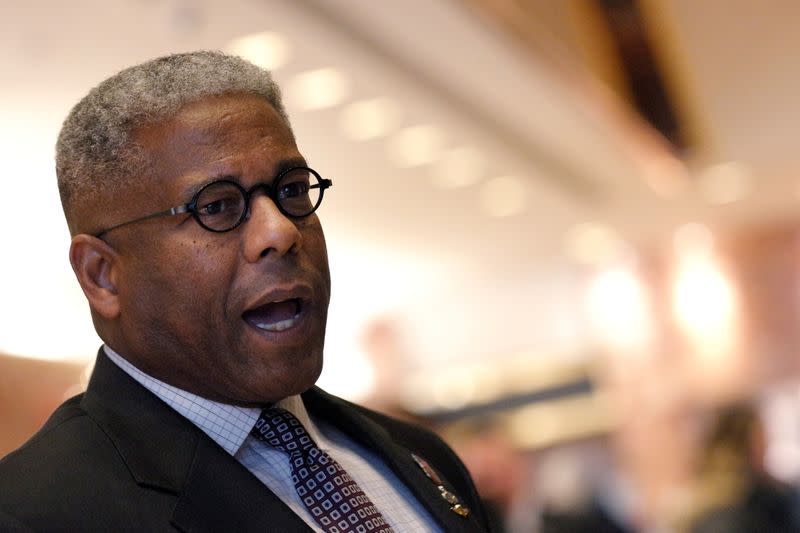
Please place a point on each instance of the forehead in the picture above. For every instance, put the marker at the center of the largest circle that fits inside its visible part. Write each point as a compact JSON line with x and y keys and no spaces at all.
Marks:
{"x":230,"y":135}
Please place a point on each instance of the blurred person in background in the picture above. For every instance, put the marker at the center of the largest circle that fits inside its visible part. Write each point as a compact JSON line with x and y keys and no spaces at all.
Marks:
{"x":734,"y":492}
{"x":501,"y":472}
{"x":580,"y":490}
{"x":197,"y":246}
{"x":383,"y":344}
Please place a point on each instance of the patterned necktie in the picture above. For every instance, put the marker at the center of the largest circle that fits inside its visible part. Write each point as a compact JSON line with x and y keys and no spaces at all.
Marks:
{"x":332,"y":497}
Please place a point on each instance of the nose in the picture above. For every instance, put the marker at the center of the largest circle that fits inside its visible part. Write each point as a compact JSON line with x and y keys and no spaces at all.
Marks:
{"x":268,"y":231}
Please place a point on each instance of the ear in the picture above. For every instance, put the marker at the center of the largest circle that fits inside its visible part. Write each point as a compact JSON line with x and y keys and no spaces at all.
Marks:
{"x":96,"y":265}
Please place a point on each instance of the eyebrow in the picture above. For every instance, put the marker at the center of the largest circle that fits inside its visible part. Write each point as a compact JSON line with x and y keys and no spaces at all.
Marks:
{"x":287,"y":164}
{"x":282,"y":166}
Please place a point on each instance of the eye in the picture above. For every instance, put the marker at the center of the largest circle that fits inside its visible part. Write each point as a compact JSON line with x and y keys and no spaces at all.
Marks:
{"x":220,"y":205}
{"x":293,"y":189}
{"x":216,"y":207}
{"x":298,"y":192}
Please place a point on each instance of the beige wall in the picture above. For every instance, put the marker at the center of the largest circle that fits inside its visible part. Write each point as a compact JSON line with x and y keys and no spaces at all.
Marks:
{"x":29,"y":391}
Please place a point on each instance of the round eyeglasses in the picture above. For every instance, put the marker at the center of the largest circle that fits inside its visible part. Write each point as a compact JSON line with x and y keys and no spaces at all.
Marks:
{"x":224,"y":204}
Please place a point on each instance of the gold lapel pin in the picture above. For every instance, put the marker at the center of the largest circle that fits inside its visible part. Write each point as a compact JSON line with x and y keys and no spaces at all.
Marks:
{"x":448,"y":496}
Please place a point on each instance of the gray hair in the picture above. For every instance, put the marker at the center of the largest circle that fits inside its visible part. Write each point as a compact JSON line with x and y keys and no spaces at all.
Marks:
{"x":96,"y":153}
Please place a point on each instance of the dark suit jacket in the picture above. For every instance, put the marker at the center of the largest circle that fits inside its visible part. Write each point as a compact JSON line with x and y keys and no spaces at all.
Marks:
{"x":119,"y":459}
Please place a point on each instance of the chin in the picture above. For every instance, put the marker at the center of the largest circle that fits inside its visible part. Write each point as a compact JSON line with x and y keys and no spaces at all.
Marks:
{"x":275,"y":385}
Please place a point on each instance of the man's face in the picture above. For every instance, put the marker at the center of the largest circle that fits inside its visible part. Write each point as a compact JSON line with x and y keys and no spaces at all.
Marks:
{"x":237,"y":316}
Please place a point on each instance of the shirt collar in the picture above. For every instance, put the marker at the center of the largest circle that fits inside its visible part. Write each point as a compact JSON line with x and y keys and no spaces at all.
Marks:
{"x":227,"y":425}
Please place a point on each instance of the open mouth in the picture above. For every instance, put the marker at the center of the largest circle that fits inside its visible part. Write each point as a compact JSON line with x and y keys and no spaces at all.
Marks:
{"x":275,"y":316}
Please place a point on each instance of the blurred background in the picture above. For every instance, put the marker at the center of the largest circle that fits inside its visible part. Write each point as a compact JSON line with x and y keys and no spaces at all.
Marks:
{"x":563,"y":234}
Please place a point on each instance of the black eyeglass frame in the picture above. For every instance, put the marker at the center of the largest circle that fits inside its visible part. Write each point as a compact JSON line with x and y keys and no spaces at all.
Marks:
{"x":272,"y":192}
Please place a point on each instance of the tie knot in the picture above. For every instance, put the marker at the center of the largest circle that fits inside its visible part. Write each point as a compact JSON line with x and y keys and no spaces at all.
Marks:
{"x":282,"y":430}
{"x":333,"y":499}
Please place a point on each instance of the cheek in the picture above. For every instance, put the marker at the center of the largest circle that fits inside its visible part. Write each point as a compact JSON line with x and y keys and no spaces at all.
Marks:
{"x":205,"y":272}
{"x":317,"y":251}
{"x":201,"y":261}
{"x":185,"y":283}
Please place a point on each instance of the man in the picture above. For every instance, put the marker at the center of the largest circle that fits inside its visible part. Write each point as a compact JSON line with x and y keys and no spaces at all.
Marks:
{"x":195,"y":241}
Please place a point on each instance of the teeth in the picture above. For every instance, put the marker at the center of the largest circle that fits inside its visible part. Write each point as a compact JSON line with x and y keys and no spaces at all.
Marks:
{"x":278,"y":326}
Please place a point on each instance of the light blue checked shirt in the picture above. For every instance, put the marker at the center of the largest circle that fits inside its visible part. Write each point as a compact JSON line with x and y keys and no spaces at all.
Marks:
{"x":230,"y":425}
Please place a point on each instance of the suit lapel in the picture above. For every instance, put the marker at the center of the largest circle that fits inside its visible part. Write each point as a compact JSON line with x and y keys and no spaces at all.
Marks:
{"x":425,"y":490}
{"x":164,"y":451}
{"x":397,"y":457}
{"x":222,"y":495}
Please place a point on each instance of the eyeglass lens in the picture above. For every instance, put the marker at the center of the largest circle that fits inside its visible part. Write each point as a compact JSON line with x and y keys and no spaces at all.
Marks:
{"x":298,"y":192}
{"x":222,"y":205}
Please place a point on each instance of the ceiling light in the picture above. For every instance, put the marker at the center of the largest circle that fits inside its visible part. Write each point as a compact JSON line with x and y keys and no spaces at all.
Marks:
{"x":619,"y":309}
{"x":503,"y":196}
{"x":725,"y":183}
{"x":416,"y":146}
{"x":369,"y":119}
{"x":267,"y":49}
{"x":318,"y":89}
{"x":459,"y":167}
{"x":704,"y":302}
